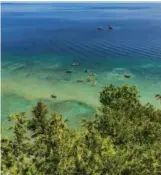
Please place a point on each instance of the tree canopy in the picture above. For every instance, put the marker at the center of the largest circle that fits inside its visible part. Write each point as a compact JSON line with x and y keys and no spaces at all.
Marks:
{"x":124,"y":139}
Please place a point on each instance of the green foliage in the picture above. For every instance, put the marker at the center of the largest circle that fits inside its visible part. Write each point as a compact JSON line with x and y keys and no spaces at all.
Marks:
{"x":124,"y":118}
{"x":125,"y":97}
{"x":38,"y":122}
{"x":125,"y":139}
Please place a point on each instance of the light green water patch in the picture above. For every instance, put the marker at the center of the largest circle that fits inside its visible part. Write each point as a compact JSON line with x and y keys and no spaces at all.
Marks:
{"x":24,"y":83}
{"x":74,"y":111}
{"x":13,"y":103}
{"x":46,"y":79}
{"x":148,"y":84}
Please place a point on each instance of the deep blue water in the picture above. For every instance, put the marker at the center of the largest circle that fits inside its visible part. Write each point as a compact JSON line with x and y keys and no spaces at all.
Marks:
{"x":36,"y":36}
{"x":31,"y":29}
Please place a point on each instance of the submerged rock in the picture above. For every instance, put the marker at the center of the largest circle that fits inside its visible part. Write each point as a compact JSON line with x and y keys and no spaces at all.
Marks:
{"x":93,"y":74}
{"x":66,"y":120}
{"x":80,"y":80}
{"x":69,"y":71}
{"x":94,"y":83}
{"x":53,"y":96}
{"x":158,"y":96}
{"x":28,"y":75}
{"x":89,"y":79}
{"x":127,"y":76}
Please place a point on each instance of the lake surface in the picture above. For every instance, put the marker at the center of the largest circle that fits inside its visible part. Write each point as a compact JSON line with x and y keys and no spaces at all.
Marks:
{"x":40,"y":41}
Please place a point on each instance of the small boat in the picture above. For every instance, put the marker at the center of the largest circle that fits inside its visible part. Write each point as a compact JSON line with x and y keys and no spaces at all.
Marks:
{"x":100,"y":28}
{"x":110,"y":27}
{"x":127,"y":76}
{"x":75,"y":64}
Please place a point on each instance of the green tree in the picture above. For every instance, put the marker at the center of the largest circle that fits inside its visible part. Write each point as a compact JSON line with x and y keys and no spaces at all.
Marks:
{"x":125,"y":139}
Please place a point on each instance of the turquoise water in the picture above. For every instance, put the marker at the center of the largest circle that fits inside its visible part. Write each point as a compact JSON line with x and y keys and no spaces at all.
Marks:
{"x":41,"y":41}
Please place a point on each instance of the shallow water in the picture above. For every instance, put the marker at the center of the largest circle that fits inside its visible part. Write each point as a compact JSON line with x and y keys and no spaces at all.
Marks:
{"x":41,"y":41}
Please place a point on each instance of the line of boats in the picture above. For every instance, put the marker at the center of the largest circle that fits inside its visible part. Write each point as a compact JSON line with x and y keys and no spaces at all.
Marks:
{"x":101,"y":28}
